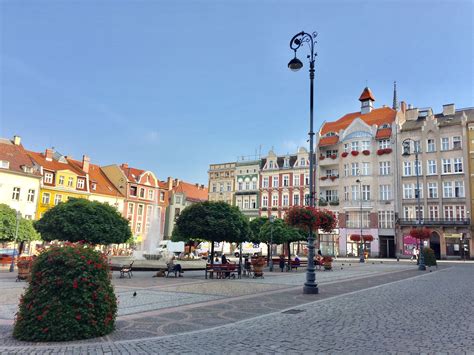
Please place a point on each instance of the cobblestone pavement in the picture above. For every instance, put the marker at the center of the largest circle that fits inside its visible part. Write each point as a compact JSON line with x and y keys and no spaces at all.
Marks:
{"x":355,"y":315}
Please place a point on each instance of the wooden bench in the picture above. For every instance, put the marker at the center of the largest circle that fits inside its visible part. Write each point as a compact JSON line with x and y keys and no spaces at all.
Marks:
{"x":127,"y":269}
{"x":296,"y":264}
{"x":220,"y":269}
{"x":170,"y":269}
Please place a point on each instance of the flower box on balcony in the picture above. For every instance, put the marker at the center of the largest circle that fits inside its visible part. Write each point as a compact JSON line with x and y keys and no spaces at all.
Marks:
{"x":321,"y":157}
{"x":333,"y":178}
{"x":274,"y":208}
{"x":334,"y":156}
{"x":366,"y":152}
{"x":324,"y":178}
{"x":334,"y":203}
{"x":387,"y":150}
{"x":380,"y":151}
{"x":345,"y":154}
{"x":322,"y":202}
{"x":355,"y":153}
{"x":264,"y":208}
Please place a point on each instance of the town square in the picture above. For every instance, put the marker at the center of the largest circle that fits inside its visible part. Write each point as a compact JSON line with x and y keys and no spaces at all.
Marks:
{"x":209,"y":177}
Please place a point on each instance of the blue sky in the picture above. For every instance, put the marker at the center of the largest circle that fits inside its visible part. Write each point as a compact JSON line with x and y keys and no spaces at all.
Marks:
{"x":172,"y":86}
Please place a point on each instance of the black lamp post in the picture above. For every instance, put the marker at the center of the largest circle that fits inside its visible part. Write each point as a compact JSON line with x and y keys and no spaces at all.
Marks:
{"x":12,"y":265}
{"x":406,"y":153}
{"x":272,"y":219}
{"x":361,"y":249}
{"x":310,"y":286}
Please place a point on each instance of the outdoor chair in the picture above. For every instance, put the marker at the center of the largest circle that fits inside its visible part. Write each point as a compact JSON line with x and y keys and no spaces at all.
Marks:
{"x":126,"y":269}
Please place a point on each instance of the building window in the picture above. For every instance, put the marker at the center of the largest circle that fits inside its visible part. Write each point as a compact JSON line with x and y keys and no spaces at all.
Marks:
{"x":460,"y":212}
{"x":449,"y":212}
{"x":61,"y":180}
{"x":306,"y":199}
{"x":386,"y":219}
{"x":346,"y":193}
{"x":385,"y":192}
{"x":432,"y":167}
{"x":246,"y":204}
{"x":407,"y":168}
{"x":296,"y":180}
{"x":434,"y":212}
{"x":270,"y":164}
{"x":139,"y":227}
{"x":445,"y":143}
{"x":302,"y":162}
{"x":459,"y":189}
{"x":48,"y":178}
{"x":331,"y":195}
{"x":58,"y":199}
{"x":140,"y":210}
{"x":80,"y":183}
{"x":446,"y":166}
{"x":447,"y":189}
{"x":4,"y":164}
{"x":346,"y":147}
{"x":456,"y":142}
{"x":130,"y":208}
{"x":254,"y":185}
{"x":306,"y":179}
{"x":151,"y":194}
{"x":142,"y":192}
{"x":247,"y":185}
{"x":353,"y":219}
{"x":286,"y":200}
{"x":286,"y":180}
{"x":384,"y":143}
{"x":70,"y":182}
{"x":355,"y":169}
{"x":286,"y":163}
{"x":458,"y":165}
{"x":296,"y":199}
{"x":365,"y":169}
{"x":419,"y":212}
{"x":31,"y":195}
{"x":417,"y":168}
{"x":45,"y":198}
{"x":365,"y":145}
{"x":253,"y":203}
{"x":432,"y":190}
{"x":275,"y":181}
{"x":133,"y":191}
{"x":366,"y":192}
{"x":229,"y":186}
{"x":177,"y":199}
{"x":355,"y":192}
{"x":384,"y":168}
{"x":417,"y":146}
{"x":408,"y":191}
{"x":264,"y":201}
{"x":346,"y":170}
{"x":354,"y":145}
{"x":265,"y":181}
{"x":430,"y":145}
{"x":16,"y":194}
{"x":162,"y":196}
{"x":240,"y":186}
{"x":221,"y":187}
{"x":214,"y":187}
{"x":274,"y":200}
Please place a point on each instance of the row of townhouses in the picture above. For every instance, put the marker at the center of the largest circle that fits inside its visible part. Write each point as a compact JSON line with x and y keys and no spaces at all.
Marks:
{"x":368,"y":178}
{"x":34,"y":182}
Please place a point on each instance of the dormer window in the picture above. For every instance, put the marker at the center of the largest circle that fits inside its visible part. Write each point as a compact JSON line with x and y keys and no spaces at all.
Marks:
{"x":385,"y":125}
{"x":94,"y":186}
{"x":286,"y":164}
{"x":330,"y":134}
{"x":302,"y":162}
{"x":270,"y":165}
{"x":4,"y":164}
{"x":80,"y":183}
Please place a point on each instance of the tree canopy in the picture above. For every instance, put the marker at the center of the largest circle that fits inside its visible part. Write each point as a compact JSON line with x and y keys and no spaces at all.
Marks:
{"x":8,"y":216}
{"x":211,"y":221}
{"x":255,"y":227}
{"x":83,"y":220}
{"x":280,"y":233}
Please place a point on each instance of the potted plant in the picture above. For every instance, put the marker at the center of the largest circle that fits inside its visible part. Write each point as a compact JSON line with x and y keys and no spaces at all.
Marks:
{"x":334,"y":203}
{"x":327,"y":262}
{"x":264,"y":209}
{"x":24,"y":268}
{"x":345,"y":154}
{"x":355,"y":153}
{"x":324,"y":178}
{"x":305,"y":217}
{"x":321,"y":157}
{"x":366,"y":152}
{"x":323,"y":202}
{"x":258,"y":263}
{"x":274,"y":208}
{"x":355,"y":237}
{"x":333,"y":156}
{"x":333,"y":177}
{"x":388,"y":150}
{"x":380,"y":151}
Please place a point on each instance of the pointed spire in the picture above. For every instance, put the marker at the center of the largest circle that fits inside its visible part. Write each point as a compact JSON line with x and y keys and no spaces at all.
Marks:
{"x":366,"y":95}
{"x":395,"y":100}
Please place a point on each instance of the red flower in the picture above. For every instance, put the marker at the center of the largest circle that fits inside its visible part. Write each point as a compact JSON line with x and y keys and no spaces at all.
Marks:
{"x":78,"y":317}
{"x":420,"y":233}
{"x":39,"y":317}
{"x":355,"y":153}
{"x":380,"y":151}
{"x":345,"y":154}
{"x":388,"y":150}
{"x":366,"y":152}
{"x":334,"y":156}
{"x":45,"y":330}
{"x":74,"y":284}
{"x":321,"y":157}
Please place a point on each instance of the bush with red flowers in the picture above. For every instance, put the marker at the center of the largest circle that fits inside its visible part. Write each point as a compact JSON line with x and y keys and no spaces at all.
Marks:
{"x":321,"y":157}
{"x":306,"y":217}
{"x":366,"y":152}
{"x":324,"y":178}
{"x":387,"y":150}
{"x":420,"y":233}
{"x":333,"y":156}
{"x":380,"y":151}
{"x":355,"y":153}
{"x":344,"y":154}
{"x":70,"y":296}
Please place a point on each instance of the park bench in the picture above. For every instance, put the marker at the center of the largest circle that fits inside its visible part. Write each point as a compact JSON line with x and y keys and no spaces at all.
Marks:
{"x":226,"y":270}
{"x":171,"y":269}
{"x":296,"y":264}
{"x":126,"y":269}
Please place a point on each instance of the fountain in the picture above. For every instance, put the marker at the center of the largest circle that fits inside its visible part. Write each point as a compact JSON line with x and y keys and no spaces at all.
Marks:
{"x":152,"y":238}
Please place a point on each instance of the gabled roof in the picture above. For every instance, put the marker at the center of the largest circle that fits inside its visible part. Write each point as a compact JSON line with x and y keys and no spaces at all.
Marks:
{"x":54,"y":165}
{"x":324,"y":141}
{"x":134,"y":175}
{"x":193,"y":193}
{"x":17,"y":157}
{"x":377,"y":116}
{"x":366,"y":95}
{"x":383,"y":133}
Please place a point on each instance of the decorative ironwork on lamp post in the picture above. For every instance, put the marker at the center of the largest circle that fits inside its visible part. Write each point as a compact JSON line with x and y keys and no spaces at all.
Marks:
{"x":310,"y":286}
{"x":406,"y":153}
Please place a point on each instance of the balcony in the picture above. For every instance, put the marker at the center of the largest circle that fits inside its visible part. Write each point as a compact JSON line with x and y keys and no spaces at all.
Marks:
{"x":331,"y":160}
{"x":435,"y":221}
{"x":328,"y":180}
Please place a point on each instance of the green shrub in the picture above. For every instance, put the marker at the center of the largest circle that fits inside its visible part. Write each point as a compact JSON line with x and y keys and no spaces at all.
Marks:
{"x":430,"y":259}
{"x":69,"y":297}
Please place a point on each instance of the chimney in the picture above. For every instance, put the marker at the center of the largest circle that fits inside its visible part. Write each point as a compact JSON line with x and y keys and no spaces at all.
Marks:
{"x":176,"y":182}
{"x":197,"y":185}
{"x":412,"y":114}
{"x":16,"y":140}
{"x":448,"y":110}
{"x":202,"y":187}
{"x":85,"y":163}
{"x":49,"y":154}
{"x":124,"y":166}
{"x":403,"y":106}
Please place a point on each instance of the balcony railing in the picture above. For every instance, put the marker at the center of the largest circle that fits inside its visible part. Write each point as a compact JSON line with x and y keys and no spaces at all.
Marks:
{"x":435,"y":221}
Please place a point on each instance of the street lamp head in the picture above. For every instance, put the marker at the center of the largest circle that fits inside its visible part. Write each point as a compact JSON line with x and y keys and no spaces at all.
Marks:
{"x":295,"y":64}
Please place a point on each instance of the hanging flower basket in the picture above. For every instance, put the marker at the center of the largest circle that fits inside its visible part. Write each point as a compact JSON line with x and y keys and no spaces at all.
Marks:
{"x":366,"y":152}
{"x":345,"y":154}
{"x":321,"y":157}
{"x":324,"y":178}
{"x":420,"y":233}
{"x":366,"y":238}
{"x":380,"y":151}
{"x":355,"y":237}
{"x":333,"y":156}
{"x":355,"y":153}
{"x":387,"y":150}
{"x":333,"y":178}
{"x":306,"y":217}
{"x":327,"y":262}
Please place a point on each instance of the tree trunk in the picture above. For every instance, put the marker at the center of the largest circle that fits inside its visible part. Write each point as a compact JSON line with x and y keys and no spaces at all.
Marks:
{"x":289,"y":255}
{"x":212,"y":253}
{"x":268,"y":254}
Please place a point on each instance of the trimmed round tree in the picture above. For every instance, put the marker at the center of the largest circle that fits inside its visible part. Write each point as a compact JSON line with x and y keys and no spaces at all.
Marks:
{"x":69,"y":297}
{"x":26,"y":232}
{"x":211,"y":221}
{"x":79,"y":220}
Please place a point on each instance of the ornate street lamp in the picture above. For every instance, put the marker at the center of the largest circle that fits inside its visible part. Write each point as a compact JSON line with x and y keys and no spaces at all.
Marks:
{"x":406,"y":153}
{"x":361,"y":249}
{"x":272,"y":219}
{"x":310,"y":286}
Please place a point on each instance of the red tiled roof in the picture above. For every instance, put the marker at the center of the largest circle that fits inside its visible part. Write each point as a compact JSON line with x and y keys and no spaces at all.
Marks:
{"x":134,"y":175}
{"x":162,"y":185}
{"x":383,"y":133}
{"x":192,"y":192}
{"x":16,"y":155}
{"x":377,"y":116}
{"x":54,"y":165}
{"x":328,"y":141}
{"x":366,"y":95}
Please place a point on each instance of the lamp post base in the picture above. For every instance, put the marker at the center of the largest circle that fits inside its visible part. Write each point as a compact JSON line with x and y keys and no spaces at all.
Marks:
{"x":310,"y":289}
{"x":422,"y":267}
{"x":361,"y":259}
